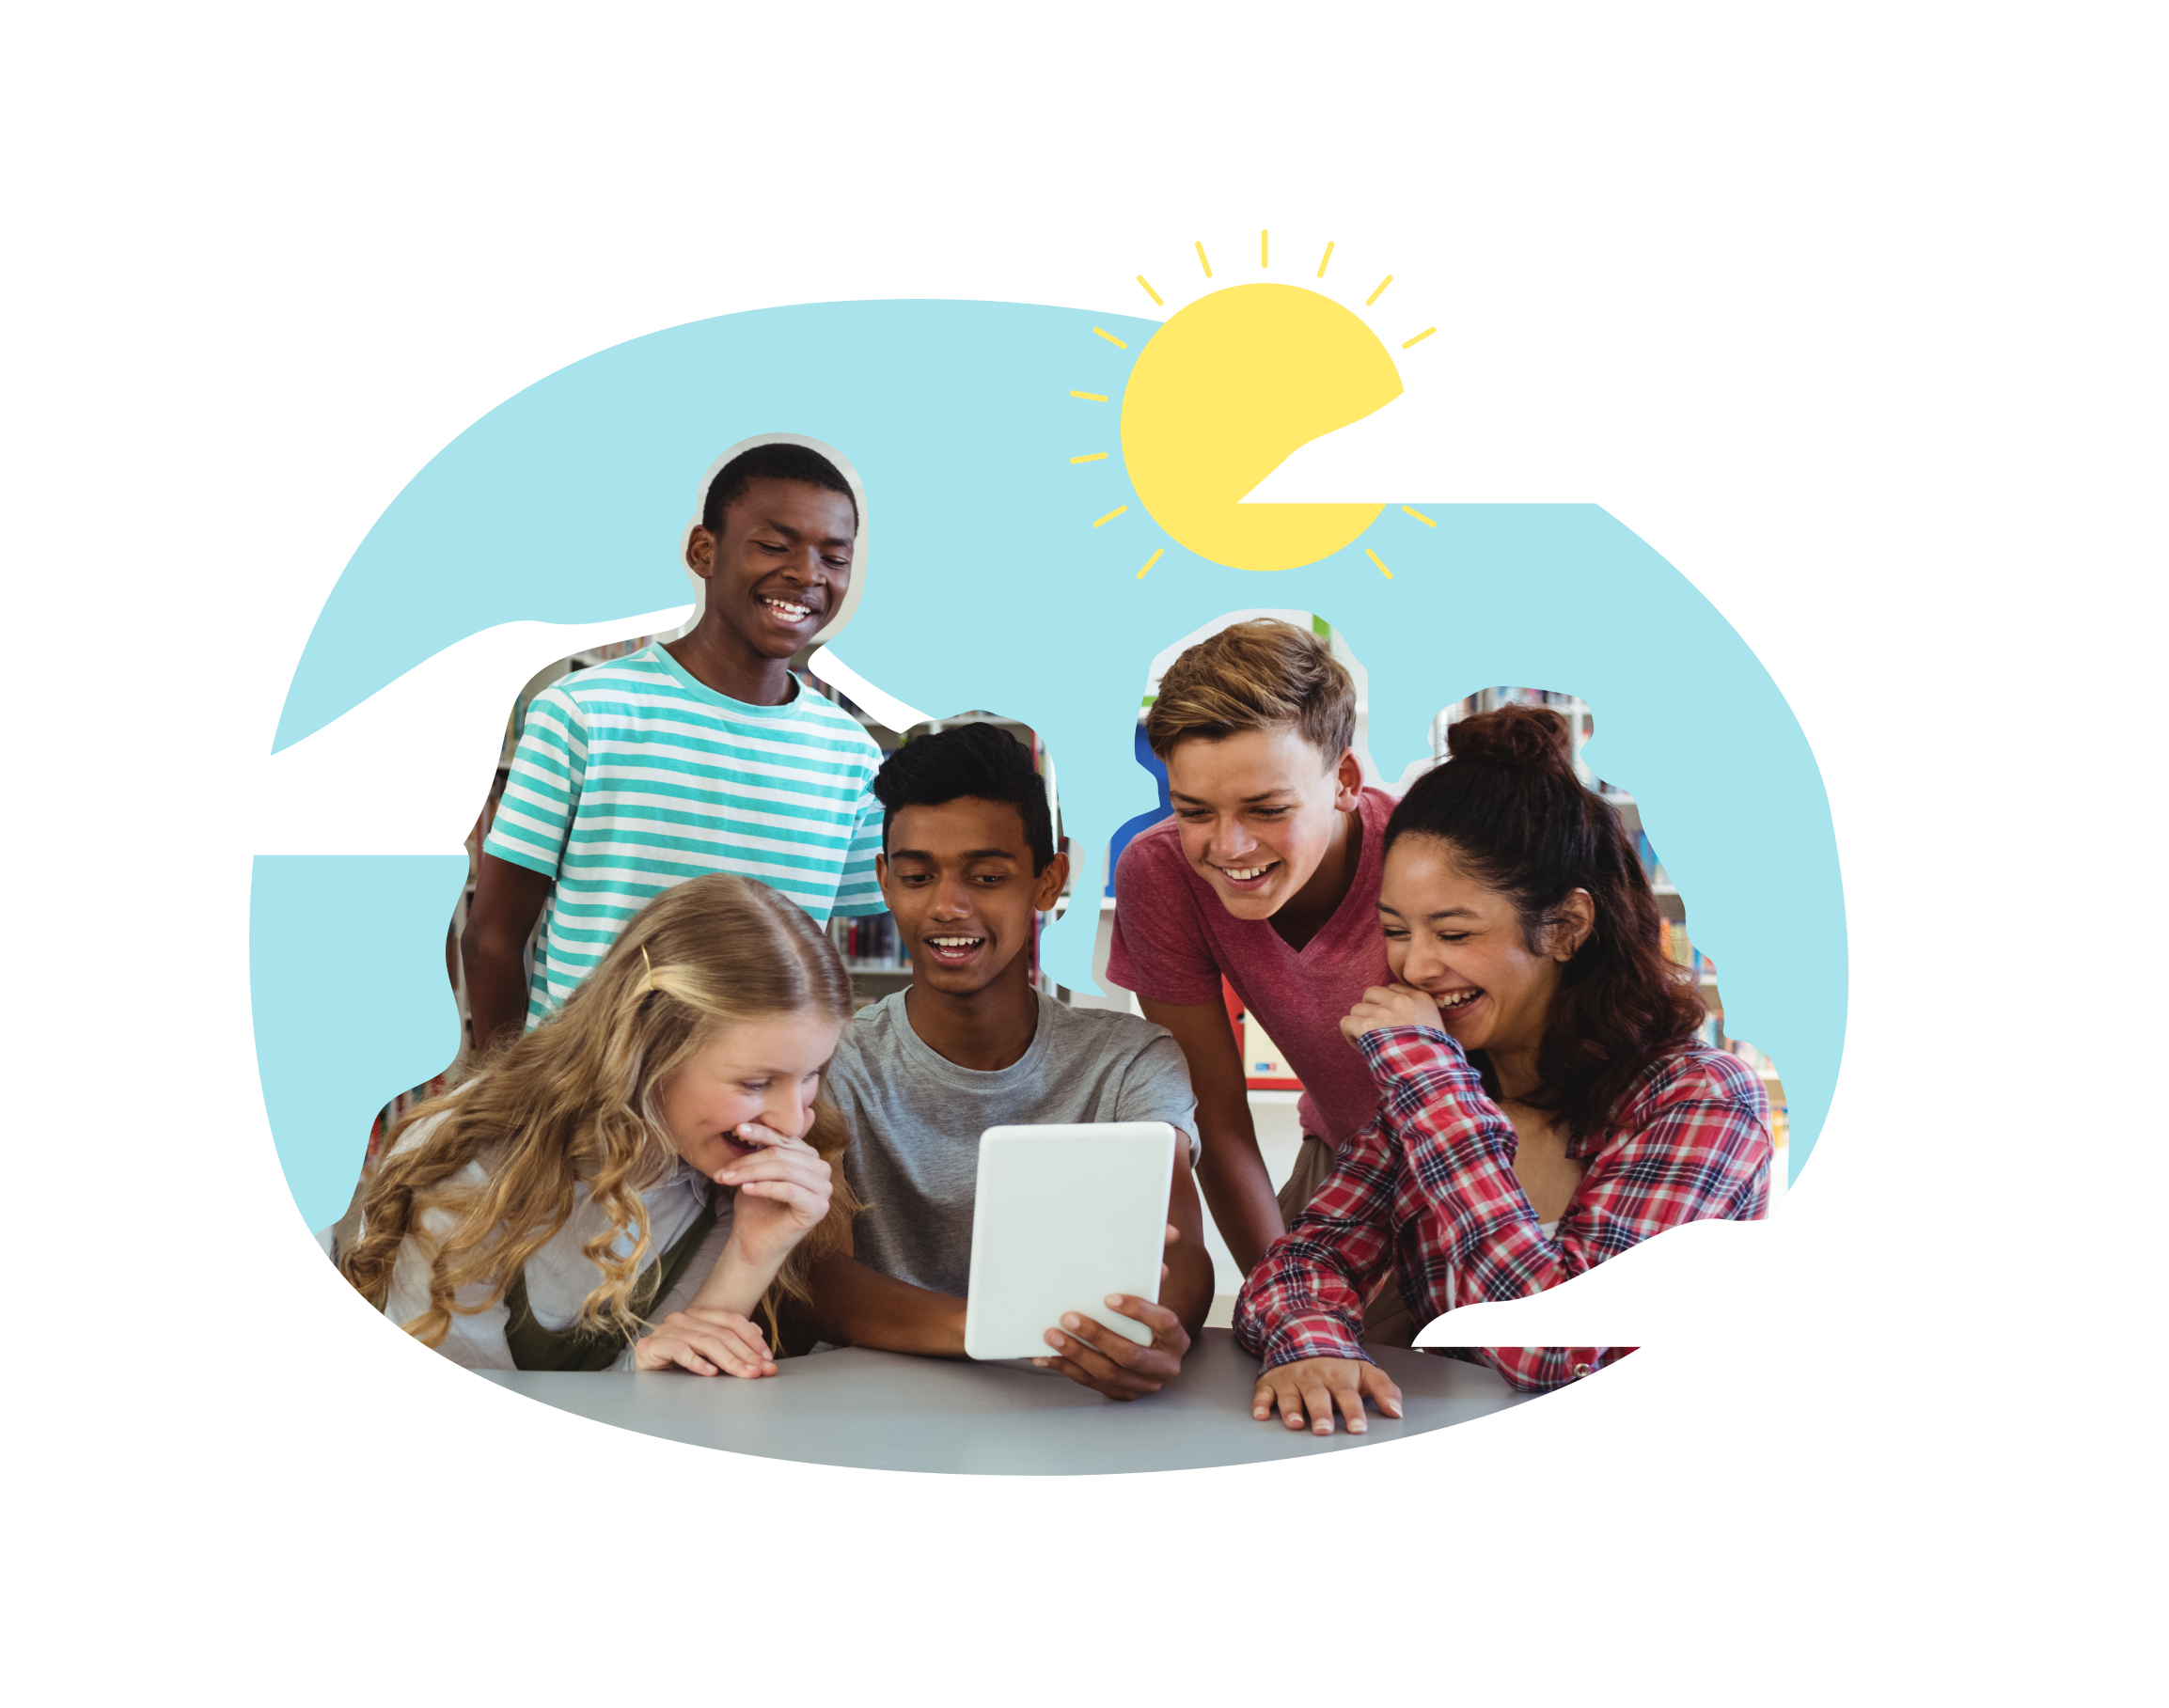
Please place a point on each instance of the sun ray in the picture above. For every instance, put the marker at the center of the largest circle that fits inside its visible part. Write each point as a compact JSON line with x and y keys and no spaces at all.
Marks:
{"x":1202,"y":261}
{"x":1097,"y":456}
{"x":1262,"y":249}
{"x":1152,"y":559}
{"x":1112,"y":339}
{"x":1420,"y":336}
{"x":1149,"y":290}
{"x":1380,"y":293}
{"x":1091,"y":396}
{"x":1380,"y":561}
{"x":1112,"y":514}
{"x":1421,"y":517}
{"x":1324,"y":258}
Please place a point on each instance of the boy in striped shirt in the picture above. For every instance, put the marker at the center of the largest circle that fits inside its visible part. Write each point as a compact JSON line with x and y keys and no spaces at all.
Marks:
{"x":702,"y":755}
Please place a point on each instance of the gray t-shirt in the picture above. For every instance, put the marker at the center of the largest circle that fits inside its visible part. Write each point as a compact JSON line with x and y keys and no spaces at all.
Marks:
{"x":916,"y":1118}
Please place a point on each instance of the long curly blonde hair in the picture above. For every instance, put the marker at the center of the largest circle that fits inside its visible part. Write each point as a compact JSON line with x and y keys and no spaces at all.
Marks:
{"x":579,"y":1099}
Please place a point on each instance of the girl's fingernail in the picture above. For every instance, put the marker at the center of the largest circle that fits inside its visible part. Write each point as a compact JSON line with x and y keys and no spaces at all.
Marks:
{"x":1070,"y":1321}
{"x":1115,"y":1299}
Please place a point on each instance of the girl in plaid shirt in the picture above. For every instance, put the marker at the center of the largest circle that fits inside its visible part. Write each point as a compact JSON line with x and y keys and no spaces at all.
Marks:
{"x":1543,"y":1104}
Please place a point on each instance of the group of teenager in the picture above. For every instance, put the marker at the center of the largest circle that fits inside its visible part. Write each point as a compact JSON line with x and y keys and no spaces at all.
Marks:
{"x":678,"y":1147}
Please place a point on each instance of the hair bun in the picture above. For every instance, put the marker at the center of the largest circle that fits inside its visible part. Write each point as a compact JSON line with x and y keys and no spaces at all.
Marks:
{"x":1514,"y":735}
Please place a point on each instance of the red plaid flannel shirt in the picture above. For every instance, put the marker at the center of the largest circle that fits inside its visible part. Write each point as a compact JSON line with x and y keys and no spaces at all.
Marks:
{"x":1428,"y":1187}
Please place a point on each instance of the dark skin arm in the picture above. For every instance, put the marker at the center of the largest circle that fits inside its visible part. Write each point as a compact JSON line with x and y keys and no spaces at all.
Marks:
{"x":852,"y":1304}
{"x":508,"y":901}
{"x":1186,"y":1276}
{"x":1230,"y":1169}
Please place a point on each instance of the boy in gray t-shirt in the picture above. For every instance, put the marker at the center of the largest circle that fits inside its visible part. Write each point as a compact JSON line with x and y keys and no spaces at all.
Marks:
{"x":916,"y":1118}
{"x":968,"y":861}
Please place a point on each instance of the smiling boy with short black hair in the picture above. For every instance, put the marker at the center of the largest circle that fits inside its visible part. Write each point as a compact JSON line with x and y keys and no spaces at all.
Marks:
{"x":702,"y":755}
{"x":969,"y":864}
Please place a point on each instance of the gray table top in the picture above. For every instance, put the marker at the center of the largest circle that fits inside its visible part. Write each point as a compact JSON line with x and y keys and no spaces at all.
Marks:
{"x":889,"y":1411}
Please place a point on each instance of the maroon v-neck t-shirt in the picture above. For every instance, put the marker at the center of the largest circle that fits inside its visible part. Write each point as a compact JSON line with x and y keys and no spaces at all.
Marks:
{"x":1173,"y":942}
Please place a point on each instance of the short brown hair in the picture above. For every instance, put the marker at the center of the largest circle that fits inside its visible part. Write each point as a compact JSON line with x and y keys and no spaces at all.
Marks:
{"x":1258,"y":674}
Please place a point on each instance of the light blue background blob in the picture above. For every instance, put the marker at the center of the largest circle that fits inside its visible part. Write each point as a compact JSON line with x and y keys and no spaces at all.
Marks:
{"x":986,"y":587}
{"x":331,"y":1024}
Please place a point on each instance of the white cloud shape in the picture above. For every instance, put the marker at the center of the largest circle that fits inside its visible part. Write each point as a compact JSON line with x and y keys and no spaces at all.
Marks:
{"x":406,"y":769}
{"x":1825,"y":1277}
{"x":1475,"y":438}
{"x":891,"y":710}
{"x":405,"y":773}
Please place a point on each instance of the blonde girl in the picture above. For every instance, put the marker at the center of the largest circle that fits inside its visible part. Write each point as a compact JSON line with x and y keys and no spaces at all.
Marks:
{"x":662,"y":1140}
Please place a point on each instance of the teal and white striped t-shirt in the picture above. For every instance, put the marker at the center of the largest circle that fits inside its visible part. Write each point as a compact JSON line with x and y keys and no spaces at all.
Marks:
{"x":634,"y":777}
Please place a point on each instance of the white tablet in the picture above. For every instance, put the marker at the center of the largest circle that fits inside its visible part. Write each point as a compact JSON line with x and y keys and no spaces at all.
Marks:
{"x":1064,"y":1216}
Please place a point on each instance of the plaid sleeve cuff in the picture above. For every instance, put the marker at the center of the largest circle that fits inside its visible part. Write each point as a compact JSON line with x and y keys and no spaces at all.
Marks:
{"x":1394,"y":1052}
{"x":1313,"y":1337}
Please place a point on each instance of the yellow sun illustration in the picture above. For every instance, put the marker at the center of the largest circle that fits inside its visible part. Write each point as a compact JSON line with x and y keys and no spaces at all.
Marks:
{"x":1231,"y":385}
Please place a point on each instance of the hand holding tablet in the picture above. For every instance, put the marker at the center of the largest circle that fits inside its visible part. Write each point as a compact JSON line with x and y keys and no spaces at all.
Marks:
{"x":1115,"y":1364}
{"x":1069,"y":1228}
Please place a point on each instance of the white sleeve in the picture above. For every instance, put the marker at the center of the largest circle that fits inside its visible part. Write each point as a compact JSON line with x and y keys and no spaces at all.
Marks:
{"x":474,"y":1341}
{"x":705,"y":1258}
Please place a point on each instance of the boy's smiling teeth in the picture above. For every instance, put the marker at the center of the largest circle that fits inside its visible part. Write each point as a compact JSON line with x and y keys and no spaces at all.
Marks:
{"x":954,"y":948}
{"x":785,"y":608}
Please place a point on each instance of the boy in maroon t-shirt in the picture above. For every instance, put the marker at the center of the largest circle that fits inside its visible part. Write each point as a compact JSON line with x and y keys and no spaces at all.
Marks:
{"x":1268,"y":876}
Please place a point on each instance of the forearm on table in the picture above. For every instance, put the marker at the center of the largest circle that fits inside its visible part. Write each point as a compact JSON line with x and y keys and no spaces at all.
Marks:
{"x":1300,"y":1305}
{"x":856,"y":1305}
{"x":1306,"y":1298}
{"x":736,"y":1284}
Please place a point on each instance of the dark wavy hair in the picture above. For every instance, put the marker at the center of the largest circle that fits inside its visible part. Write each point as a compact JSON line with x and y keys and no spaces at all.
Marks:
{"x":978,"y":762}
{"x":780,"y":461}
{"x":1510,"y":808}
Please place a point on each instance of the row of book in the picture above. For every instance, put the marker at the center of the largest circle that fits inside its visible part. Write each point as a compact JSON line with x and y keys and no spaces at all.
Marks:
{"x":868,"y":938}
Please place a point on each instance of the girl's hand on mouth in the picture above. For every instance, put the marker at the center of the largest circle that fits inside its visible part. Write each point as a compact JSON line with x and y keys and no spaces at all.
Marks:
{"x":781,"y":1193}
{"x":1385,"y":1006}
